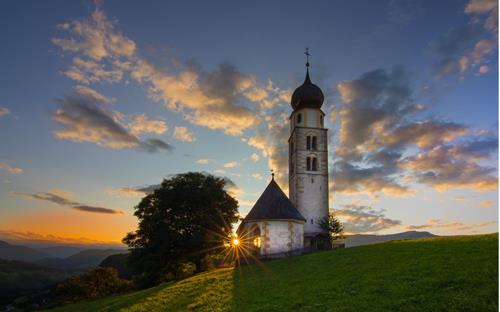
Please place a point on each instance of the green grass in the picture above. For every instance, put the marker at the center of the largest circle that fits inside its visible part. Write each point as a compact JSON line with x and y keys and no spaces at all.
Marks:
{"x":435,"y":274}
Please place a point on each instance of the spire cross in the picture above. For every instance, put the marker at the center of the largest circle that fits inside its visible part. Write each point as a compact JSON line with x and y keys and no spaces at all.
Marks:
{"x":307,"y":56}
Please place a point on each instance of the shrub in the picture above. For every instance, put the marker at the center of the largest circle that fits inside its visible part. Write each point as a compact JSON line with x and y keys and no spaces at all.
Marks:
{"x":98,"y":282}
{"x":211,"y":261}
{"x":185,"y":269}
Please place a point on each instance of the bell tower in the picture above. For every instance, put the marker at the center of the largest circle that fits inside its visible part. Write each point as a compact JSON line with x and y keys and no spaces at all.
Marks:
{"x":308,"y":156}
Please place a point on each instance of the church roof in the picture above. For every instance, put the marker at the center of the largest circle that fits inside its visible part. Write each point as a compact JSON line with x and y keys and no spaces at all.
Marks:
{"x":273,"y":204}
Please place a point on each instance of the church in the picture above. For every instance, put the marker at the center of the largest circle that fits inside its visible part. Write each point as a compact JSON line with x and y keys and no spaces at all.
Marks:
{"x":278,"y":225}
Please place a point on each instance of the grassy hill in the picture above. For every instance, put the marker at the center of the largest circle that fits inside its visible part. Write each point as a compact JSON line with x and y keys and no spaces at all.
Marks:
{"x":432,"y":274}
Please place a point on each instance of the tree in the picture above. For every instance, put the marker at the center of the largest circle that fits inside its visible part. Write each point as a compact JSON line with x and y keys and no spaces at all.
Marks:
{"x":333,"y":226}
{"x":182,"y":221}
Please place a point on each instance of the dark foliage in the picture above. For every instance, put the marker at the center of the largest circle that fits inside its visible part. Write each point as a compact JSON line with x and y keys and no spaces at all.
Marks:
{"x":98,"y":282}
{"x":332,"y":226}
{"x":119,"y":263}
{"x":182,"y":221}
{"x":21,"y":278}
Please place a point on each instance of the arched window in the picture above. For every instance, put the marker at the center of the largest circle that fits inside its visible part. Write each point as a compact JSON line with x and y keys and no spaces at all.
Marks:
{"x":311,"y":142}
{"x":311,"y":163}
{"x":299,"y":118}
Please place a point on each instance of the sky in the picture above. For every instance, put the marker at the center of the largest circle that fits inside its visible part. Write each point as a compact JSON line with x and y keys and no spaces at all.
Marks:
{"x":102,"y":100}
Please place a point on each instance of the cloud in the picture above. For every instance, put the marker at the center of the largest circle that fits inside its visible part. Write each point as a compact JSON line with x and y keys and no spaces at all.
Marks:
{"x":133,"y":192}
{"x":13,"y":170}
{"x":26,"y":236}
{"x":141,"y":124}
{"x":204,"y":161}
{"x":469,"y":48}
{"x":446,"y":166}
{"x":382,"y":146}
{"x":232,"y":164}
{"x":255,"y":157}
{"x":207,"y":98}
{"x":453,"y":226}
{"x":423,"y":134}
{"x":353,"y":179}
{"x":272,"y":142}
{"x":63,"y":198}
{"x":222,"y":98}
{"x":184,"y":134}
{"x":96,"y":209}
{"x":486,"y":204}
{"x":363,"y":219}
{"x":4,"y":111}
{"x":50,"y":196}
{"x":256,"y":176}
{"x":481,"y":6}
{"x":97,"y":38}
{"x":93,"y":94}
{"x":89,"y":71}
{"x":84,"y":120}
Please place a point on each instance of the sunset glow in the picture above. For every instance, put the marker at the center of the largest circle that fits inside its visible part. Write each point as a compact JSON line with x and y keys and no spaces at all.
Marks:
{"x":100,"y":103}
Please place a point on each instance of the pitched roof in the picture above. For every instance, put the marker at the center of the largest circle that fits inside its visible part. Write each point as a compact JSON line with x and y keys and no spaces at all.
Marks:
{"x":273,"y":204}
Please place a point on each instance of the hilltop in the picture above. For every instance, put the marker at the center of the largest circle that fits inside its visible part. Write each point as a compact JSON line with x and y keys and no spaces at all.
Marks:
{"x":430,"y":274}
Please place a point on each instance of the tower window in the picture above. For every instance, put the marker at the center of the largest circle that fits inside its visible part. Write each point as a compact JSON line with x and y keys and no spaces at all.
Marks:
{"x":299,"y":118}
{"x":308,"y":143}
{"x":314,"y":143}
{"x":314,"y":164}
{"x":311,"y":164}
{"x":312,"y":221}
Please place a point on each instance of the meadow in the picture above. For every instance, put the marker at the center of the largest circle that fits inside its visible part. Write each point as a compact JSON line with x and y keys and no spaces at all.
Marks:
{"x":432,"y":274}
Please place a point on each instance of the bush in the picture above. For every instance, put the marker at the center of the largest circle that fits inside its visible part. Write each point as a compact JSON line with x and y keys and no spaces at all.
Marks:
{"x":185,"y":269}
{"x":98,"y":282}
{"x":211,"y":261}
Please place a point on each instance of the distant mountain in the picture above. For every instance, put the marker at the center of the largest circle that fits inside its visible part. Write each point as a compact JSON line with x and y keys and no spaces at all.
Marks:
{"x":21,"y":253}
{"x":81,"y":260}
{"x":367,"y":239}
{"x":61,"y":251}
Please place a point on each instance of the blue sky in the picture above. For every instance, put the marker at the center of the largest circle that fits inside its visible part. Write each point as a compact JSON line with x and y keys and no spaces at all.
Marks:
{"x":86,"y":85}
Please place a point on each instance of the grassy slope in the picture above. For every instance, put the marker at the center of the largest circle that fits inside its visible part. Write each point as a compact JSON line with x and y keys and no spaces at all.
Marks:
{"x":435,"y":274}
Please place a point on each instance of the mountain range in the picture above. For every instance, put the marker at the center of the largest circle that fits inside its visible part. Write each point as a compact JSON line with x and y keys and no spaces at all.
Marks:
{"x":368,"y":239}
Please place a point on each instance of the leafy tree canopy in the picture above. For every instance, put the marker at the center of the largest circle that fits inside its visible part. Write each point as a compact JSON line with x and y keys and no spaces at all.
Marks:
{"x":183,"y":220}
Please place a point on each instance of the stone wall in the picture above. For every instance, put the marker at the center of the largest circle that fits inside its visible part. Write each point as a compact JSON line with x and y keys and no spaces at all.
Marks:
{"x":278,"y":237}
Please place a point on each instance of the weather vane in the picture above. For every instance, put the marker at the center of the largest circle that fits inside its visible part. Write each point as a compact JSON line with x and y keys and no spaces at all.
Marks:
{"x":307,"y":56}
{"x":272,"y":173}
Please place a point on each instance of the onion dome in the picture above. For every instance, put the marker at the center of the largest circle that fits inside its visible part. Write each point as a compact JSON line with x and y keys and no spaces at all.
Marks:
{"x":308,"y":95}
